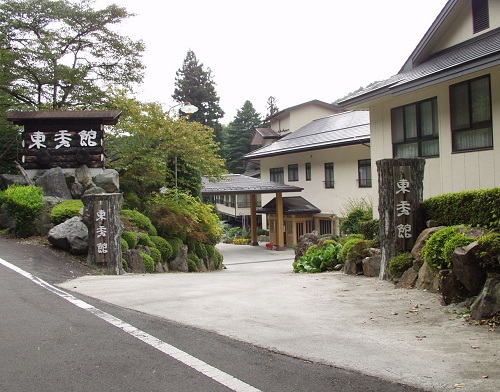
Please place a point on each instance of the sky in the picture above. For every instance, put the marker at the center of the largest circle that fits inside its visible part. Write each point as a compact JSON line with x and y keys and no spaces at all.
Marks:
{"x":293,"y":51}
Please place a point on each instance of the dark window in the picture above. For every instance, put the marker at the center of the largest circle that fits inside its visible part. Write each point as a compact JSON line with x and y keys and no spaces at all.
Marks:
{"x":415,"y":130}
{"x":470,"y":112}
{"x":277,"y":174}
{"x":325,"y":226}
{"x":329,"y":175}
{"x":365,"y":173}
{"x":293,"y":172}
{"x":308,"y":171}
{"x":480,"y":15}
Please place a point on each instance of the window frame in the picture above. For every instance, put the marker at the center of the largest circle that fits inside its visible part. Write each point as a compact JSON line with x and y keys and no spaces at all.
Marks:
{"x":293,"y":172}
{"x":329,"y":182}
{"x":276,"y":174}
{"x":365,"y":182}
{"x":480,"y":16}
{"x":308,"y":171}
{"x":402,"y":135}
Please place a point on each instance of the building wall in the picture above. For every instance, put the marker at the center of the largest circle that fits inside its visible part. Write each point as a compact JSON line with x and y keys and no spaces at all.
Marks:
{"x":300,"y":116}
{"x":450,"y":172}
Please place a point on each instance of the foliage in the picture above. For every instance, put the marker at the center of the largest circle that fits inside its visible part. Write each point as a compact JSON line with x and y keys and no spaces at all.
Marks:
{"x":218,"y":258}
{"x":2,"y":197}
{"x":241,"y":241}
{"x":355,"y":249}
{"x":140,"y":220}
{"x":155,"y":255}
{"x":400,"y":263}
{"x":131,"y":238}
{"x":201,"y":250}
{"x":210,"y":250}
{"x":175,"y":243}
{"x":65,"y":210}
{"x":146,"y":144}
{"x":193,"y":262}
{"x":318,"y":259}
{"x":262,"y":232}
{"x":145,"y":240}
{"x":475,"y":208}
{"x":149,"y":263}
{"x":178,"y":214}
{"x":65,"y":53}
{"x":24,"y":203}
{"x":124,"y":265}
{"x":453,"y":243}
{"x":131,"y":201}
{"x":238,"y":136}
{"x":163,"y":246}
{"x":195,"y":85}
{"x":356,"y":212}
{"x":371,"y":230}
{"x":124,"y":244}
{"x":489,"y":251}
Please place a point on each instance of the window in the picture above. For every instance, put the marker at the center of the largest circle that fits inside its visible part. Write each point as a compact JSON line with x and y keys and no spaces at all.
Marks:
{"x":308,"y":171}
{"x":365,"y":173}
{"x":325,"y":226}
{"x":293,"y":172}
{"x":415,"y":130}
{"x":480,"y":15}
{"x":329,"y":179}
{"x":470,"y":112}
{"x":276,"y":174}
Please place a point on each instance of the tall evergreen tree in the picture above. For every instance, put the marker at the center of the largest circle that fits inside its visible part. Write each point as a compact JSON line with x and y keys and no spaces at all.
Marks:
{"x":238,"y":137}
{"x":272,"y":109}
{"x":195,"y":85}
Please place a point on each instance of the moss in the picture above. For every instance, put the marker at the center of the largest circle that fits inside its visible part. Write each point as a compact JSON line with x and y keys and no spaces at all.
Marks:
{"x":65,"y":210}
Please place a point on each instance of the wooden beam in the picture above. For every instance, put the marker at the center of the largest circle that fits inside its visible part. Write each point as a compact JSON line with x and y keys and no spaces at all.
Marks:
{"x":253,"y":218}
{"x":280,"y":221}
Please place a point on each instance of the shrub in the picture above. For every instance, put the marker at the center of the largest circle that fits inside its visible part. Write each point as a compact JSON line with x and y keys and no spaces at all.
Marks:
{"x":145,"y":240}
{"x":357,"y":212}
{"x":453,"y":243}
{"x":318,"y":259}
{"x":175,"y":243}
{"x":262,"y":232}
{"x":65,"y":210}
{"x":156,"y":255}
{"x":371,"y":230}
{"x":489,"y":251}
{"x":2,"y":197}
{"x":140,"y":220}
{"x":218,"y":258}
{"x":193,"y":262}
{"x":149,"y":263}
{"x":163,"y":246}
{"x":201,"y":251}
{"x":131,"y":239}
{"x":124,"y":244}
{"x":210,"y":250}
{"x":241,"y":241}
{"x":124,"y":265}
{"x":400,"y":263}
{"x":24,"y":203}
{"x":131,"y":201}
{"x":355,"y":249}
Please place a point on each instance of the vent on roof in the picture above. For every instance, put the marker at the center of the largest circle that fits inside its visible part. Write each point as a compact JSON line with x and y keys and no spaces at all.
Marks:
{"x":480,"y":15}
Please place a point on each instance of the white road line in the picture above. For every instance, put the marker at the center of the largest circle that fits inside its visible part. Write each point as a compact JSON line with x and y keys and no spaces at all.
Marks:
{"x":217,"y":375}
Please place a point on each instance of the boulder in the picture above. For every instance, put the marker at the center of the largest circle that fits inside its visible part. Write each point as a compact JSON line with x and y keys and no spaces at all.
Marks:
{"x":134,"y":261}
{"x":416,"y":251}
{"x":452,"y":290}
{"x":467,"y":269}
{"x":180,"y":262}
{"x":43,"y":219}
{"x":408,"y":279}
{"x":70,"y":235}
{"x":109,"y":180}
{"x":94,"y":191}
{"x":83,"y":176}
{"x":371,"y":266}
{"x":7,"y":180}
{"x":487,"y":304}
{"x":53,"y":183}
{"x":427,"y":279}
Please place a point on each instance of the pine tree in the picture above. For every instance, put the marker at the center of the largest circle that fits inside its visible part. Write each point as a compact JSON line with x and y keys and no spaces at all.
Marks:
{"x":195,"y":85}
{"x":238,"y":136}
{"x":272,"y":109}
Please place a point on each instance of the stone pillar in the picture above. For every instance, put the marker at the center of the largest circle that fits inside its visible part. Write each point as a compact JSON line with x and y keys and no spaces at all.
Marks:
{"x":400,"y":188}
{"x":101,"y":215}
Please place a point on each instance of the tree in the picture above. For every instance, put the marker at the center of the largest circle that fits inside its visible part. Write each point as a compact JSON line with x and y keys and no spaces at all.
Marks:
{"x":272,"y":109}
{"x":65,"y":53}
{"x":146,"y":142}
{"x":238,"y":137}
{"x":195,"y":85}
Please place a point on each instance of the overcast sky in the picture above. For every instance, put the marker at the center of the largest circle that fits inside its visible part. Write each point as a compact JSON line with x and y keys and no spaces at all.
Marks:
{"x":293,"y":51}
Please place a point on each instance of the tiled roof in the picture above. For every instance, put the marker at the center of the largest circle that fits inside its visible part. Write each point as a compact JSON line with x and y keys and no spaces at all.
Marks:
{"x":267,"y":133}
{"x":241,"y":184}
{"x":291,"y":206}
{"x":482,"y":51}
{"x":346,"y":128}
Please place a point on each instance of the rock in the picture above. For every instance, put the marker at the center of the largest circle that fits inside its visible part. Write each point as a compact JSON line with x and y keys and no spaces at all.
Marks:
{"x":452,"y":290}
{"x":134,"y":261}
{"x":371,"y":266}
{"x":351,"y":268}
{"x":427,"y":279}
{"x":71,"y":235}
{"x":43,"y":220}
{"x":432,"y":223}
{"x":7,"y":180}
{"x":83,"y":176}
{"x":305,"y":241}
{"x":77,"y":190}
{"x":416,"y":251}
{"x":487,"y":304}
{"x":109,"y":180}
{"x":159,"y":268}
{"x":338,"y":267}
{"x":53,"y":183}
{"x":467,"y":269}
{"x":94,"y":191}
{"x":408,"y":279}
{"x":180,"y":262}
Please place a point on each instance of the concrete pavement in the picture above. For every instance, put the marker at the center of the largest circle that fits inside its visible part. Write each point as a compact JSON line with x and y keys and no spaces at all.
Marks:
{"x":352,"y":322}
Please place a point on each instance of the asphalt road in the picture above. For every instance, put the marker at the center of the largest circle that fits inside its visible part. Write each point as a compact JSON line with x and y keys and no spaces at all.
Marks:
{"x":51,"y":340}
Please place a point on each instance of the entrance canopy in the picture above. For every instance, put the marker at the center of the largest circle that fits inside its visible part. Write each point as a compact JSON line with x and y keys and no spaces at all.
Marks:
{"x":239,"y":184}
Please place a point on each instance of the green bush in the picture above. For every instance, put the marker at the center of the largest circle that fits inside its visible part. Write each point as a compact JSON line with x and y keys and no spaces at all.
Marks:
{"x":140,"y":220}
{"x":145,"y":240}
{"x":131,"y":201}
{"x":193,"y":262}
{"x":371,"y":230}
{"x":355,"y":249}
{"x":65,"y":210}
{"x":318,"y":259}
{"x":175,"y":243}
{"x":489,"y":251}
{"x":400,"y":263}
{"x":124,"y":244}
{"x":210,"y":250}
{"x":201,"y":251}
{"x":453,"y":243}
{"x":262,"y":232}
{"x":357,"y":212}
{"x":149,"y":263}
{"x":218,"y":258}
{"x":2,"y":197}
{"x":24,"y":203}
{"x":474,"y":208}
{"x":131,"y":239}
{"x":156,"y":255}
{"x":124,"y":265}
{"x":163,"y":246}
